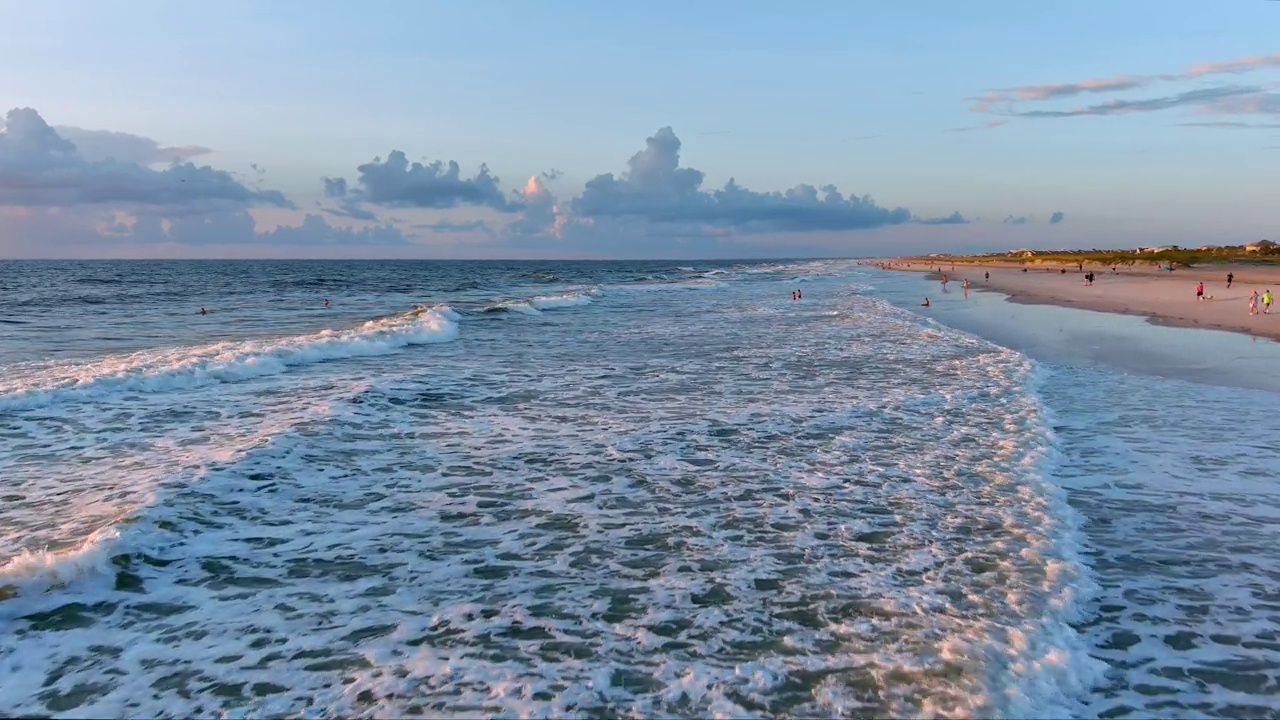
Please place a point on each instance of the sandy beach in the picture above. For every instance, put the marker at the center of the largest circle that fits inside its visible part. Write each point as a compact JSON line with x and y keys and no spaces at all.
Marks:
{"x":1164,"y":297}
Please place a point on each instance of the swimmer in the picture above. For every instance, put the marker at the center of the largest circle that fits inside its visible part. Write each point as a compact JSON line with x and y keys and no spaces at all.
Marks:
{"x":326,"y":302}
{"x":203,"y":311}
{"x":925,"y":303}
{"x":799,"y":294}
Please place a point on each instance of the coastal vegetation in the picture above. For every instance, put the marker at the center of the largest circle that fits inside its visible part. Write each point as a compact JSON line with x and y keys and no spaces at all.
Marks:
{"x":1264,"y":252}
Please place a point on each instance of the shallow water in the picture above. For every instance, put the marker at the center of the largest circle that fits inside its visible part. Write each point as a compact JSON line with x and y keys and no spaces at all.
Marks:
{"x":597,"y":488}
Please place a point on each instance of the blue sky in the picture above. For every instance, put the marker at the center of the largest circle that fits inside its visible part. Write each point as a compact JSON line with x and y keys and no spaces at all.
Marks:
{"x":875,"y":98}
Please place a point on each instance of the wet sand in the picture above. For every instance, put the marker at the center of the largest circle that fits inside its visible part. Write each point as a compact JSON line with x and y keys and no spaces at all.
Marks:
{"x":1167,"y":298}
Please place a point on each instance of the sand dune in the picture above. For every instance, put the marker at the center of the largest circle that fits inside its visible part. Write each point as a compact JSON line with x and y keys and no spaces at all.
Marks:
{"x":1164,"y":297}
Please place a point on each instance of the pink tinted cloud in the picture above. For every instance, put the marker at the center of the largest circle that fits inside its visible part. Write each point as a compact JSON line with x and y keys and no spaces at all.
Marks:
{"x":1239,"y":65}
{"x":1095,"y":85}
{"x":1001,"y":101}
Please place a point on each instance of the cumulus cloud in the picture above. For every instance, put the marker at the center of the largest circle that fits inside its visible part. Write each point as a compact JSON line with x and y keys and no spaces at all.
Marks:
{"x":657,"y":190}
{"x":1011,"y":220}
{"x":100,"y":145}
{"x":398,"y":183}
{"x":1056,"y":218}
{"x":40,"y":167}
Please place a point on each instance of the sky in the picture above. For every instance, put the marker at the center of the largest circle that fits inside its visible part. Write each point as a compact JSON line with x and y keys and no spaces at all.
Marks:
{"x":486,"y":129}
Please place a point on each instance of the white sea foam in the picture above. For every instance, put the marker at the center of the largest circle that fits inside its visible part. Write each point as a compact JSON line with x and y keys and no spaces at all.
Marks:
{"x":535,"y":305}
{"x":163,"y":370}
{"x":690,"y":519}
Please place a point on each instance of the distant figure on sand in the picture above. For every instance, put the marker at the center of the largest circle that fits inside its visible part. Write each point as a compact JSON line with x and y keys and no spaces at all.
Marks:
{"x":1266,"y":302}
{"x":1253,"y":302}
{"x":1199,"y":291}
{"x":1230,"y":277}
{"x":925,"y":303}
{"x":986,"y":276}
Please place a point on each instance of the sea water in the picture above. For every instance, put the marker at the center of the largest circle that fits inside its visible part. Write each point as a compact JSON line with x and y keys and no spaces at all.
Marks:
{"x":590,"y":489}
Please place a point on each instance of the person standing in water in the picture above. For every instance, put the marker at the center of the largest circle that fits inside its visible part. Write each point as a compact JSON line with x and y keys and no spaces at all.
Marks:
{"x":799,"y":294}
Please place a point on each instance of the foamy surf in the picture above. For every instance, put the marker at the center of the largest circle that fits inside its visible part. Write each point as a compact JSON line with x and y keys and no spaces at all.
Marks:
{"x":652,"y":513}
{"x":535,"y":305}
{"x":162,"y":370}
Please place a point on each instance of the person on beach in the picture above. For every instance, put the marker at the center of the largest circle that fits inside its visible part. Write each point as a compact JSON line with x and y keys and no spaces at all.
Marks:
{"x":1266,"y":302}
{"x":1253,"y":302}
{"x":1230,"y":278}
{"x":986,"y":276}
{"x":1199,"y":291}
{"x":925,"y":303}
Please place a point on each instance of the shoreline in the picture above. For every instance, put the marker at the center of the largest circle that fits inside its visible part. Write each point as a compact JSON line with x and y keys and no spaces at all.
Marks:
{"x":1161,"y":297}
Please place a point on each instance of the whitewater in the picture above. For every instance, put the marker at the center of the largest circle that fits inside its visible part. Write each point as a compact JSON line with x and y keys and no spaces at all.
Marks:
{"x":594,"y":489}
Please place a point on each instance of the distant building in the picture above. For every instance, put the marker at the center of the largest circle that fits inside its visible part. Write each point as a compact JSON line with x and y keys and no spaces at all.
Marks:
{"x":1260,"y":246}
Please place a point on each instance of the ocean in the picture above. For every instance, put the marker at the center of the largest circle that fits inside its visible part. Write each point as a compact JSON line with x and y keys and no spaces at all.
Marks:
{"x":598,"y":489}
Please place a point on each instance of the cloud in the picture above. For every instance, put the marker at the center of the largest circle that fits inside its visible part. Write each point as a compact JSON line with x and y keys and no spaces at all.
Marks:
{"x":398,"y":183}
{"x":655,"y":189}
{"x":40,"y":168}
{"x":52,"y":232}
{"x":1122,"y":107}
{"x":1258,"y":104}
{"x":954,"y":218}
{"x":1232,"y":125}
{"x":100,"y":145}
{"x":1071,"y":89}
{"x":1056,"y":218}
{"x":1002,"y":101}
{"x":447,"y":227}
{"x":239,"y":228}
{"x":988,"y":125}
{"x":1127,"y":82}
{"x":1011,"y":220}
{"x":1234,"y":67}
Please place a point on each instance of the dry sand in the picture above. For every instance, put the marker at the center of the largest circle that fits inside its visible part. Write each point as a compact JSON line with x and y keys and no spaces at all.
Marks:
{"x":1164,"y":297}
